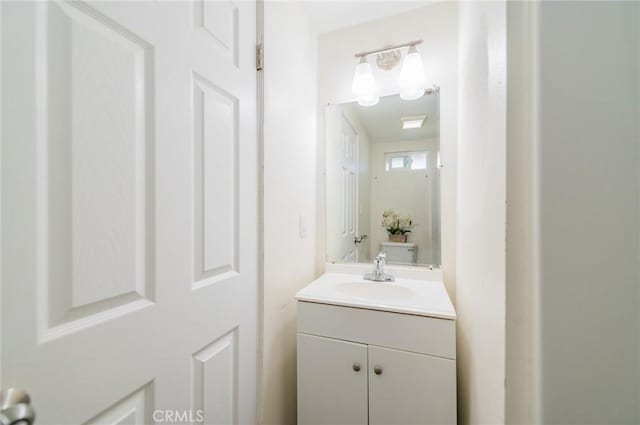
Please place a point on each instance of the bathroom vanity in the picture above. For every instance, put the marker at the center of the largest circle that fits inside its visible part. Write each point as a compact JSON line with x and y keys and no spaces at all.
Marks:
{"x":379,"y":352}
{"x":376,"y":353}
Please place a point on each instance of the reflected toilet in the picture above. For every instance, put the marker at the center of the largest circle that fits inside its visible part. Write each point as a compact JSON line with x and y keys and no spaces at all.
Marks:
{"x":400,"y":253}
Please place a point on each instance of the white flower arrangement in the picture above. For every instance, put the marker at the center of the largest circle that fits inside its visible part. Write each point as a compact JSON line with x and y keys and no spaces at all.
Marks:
{"x":395,"y":223}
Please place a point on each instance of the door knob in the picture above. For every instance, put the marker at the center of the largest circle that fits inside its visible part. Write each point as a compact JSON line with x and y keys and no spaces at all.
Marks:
{"x":15,"y":408}
{"x":359,"y":239}
{"x":356,"y":367}
{"x":378,"y":370}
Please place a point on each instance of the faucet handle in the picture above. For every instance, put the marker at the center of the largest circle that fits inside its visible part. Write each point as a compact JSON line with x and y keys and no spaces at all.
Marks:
{"x":382,"y":257}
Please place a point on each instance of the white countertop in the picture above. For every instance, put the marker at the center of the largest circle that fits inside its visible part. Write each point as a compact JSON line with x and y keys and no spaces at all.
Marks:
{"x":399,"y":271}
{"x":408,"y":296}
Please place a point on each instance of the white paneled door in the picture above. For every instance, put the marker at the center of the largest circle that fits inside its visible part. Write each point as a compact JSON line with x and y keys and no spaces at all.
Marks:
{"x":129,"y":210}
{"x":342,"y":187}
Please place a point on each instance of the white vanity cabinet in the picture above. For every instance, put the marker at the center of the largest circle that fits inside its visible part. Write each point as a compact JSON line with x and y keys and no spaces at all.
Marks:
{"x":332,"y":381}
{"x":362,"y":366}
{"x":410,"y":388}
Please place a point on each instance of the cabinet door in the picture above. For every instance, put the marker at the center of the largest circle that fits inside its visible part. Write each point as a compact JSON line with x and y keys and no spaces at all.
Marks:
{"x":410,"y":388}
{"x":332,"y":381}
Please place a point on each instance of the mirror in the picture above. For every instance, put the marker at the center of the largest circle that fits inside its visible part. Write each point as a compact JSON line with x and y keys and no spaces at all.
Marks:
{"x":382,"y":170}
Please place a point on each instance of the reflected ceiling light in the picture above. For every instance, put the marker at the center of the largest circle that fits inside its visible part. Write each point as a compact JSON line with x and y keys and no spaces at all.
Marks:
{"x":364,"y":86}
{"x":413,"y":122}
{"x":412,"y":79}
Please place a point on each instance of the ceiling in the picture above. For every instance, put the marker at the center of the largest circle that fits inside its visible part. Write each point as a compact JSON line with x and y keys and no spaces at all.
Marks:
{"x":326,"y":16}
{"x":383,"y":123}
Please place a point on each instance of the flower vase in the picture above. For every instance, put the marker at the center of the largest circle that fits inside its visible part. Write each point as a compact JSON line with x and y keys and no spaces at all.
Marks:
{"x":398,"y":238}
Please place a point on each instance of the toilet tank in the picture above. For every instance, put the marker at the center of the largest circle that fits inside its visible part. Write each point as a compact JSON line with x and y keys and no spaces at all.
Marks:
{"x":400,"y":253}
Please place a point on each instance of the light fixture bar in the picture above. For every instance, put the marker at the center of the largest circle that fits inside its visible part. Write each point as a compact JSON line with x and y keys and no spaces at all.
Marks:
{"x":432,"y":90}
{"x":385,"y":49}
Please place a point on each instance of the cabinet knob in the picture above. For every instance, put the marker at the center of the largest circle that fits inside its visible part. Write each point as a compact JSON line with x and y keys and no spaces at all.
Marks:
{"x":378,"y":370}
{"x":356,"y":367}
{"x":15,"y":408}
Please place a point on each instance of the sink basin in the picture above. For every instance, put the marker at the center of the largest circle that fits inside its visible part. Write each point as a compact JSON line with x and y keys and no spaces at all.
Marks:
{"x":375,"y":290}
{"x":409,"y":296}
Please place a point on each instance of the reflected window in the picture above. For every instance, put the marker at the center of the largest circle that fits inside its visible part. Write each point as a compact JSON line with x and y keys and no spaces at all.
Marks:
{"x":416,"y":160}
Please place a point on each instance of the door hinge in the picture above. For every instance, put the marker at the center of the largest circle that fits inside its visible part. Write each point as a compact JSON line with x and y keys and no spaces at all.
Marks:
{"x":260,"y":57}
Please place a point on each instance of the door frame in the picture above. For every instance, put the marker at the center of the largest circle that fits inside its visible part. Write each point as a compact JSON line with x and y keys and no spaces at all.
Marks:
{"x":1,"y":283}
{"x":356,"y":212}
{"x":260,"y":214}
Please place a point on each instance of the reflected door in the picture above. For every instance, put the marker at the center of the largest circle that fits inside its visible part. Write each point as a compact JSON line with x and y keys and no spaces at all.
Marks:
{"x":342,"y":189}
{"x":129,"y":210}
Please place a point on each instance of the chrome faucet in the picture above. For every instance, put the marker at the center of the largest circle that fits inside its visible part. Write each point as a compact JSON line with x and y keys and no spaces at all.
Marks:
{"x":378,"y":274}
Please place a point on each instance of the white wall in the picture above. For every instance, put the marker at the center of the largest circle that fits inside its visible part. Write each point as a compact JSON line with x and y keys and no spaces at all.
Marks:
{"x":406,"y":191}
{"x":289,"y":192}
{"x":521,"y":156}
{"x":480,"y":288}
{"x":573,"y":247}
{"x":437,"y":25}
{"x":588,"y":357}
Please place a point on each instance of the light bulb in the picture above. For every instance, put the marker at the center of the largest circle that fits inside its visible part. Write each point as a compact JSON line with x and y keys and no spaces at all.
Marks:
{"x":368,"y":100}
{"x":411,"y":80}
{"x":364,"y":86}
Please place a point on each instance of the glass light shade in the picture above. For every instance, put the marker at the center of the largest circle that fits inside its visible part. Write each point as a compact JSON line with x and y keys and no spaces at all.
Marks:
{"x":369,"y":100}
{"x":364,"y":86}
{"x":411,"y":94}
{"x":411,"y":80}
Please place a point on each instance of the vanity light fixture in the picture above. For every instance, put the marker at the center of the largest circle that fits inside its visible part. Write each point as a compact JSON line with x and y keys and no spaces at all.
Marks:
{"x":411,"y":80}
{"x":364,"y":86}
{"x":413,"y":122}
